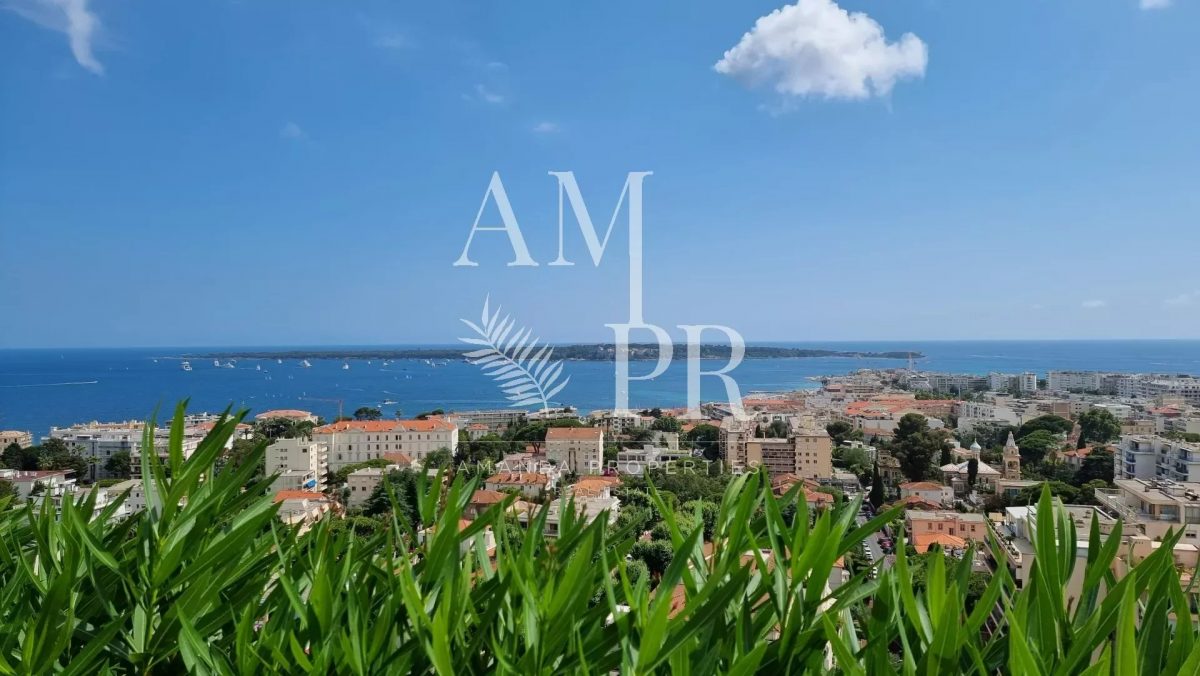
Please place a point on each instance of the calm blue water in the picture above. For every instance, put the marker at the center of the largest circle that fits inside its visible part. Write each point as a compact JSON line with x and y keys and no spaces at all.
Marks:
{"x":40,"y":388}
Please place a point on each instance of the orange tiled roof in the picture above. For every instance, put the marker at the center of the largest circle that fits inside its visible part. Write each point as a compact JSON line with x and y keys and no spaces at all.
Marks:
{"x":916,"y":501}
{"x":574,"y":434}
{"x":398,"y":458}
{"x":431,"y":425}
{"x":924,"y":541}
{"x":518,"y":478}
{"x":486,"y":497}
{"x":920,"y":486}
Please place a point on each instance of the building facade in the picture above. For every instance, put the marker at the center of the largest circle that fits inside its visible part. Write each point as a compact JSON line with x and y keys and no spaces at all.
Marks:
{"x":354,"y":441}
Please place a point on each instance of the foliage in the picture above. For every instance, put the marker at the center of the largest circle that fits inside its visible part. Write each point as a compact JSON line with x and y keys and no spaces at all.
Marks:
{"x":16,"y":457}
{"x":284,"y":428}
{"x":438,"y":459}
{"x":916,"y":446}
{"x":1098,"y":426}
{"x":841,"y":431}
{"x":368,"y":413}
{"x":1053,"y":424}
{"x":876,"y":497}
{"x":8,"y":490}
{"x":339,"y":477}
{"x":706,"y":438}
{"x":1097,"y":466}
{"x":666,"y":423}
{"x":972,"y":471}
{"x":118,"y":464}
{"x":55,"y":454}
{"x":398,"y":492}
{"x":1036,"y":445}
{"x":207,"y":580}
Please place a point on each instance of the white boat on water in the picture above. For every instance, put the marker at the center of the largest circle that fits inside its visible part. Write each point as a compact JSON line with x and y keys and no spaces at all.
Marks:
{"x":305,"y":364}
{"x":185,"y":366}
{"x":278,"y":361}
{"x":258,"y":367}
{"x":217,"y":363}
{"x":345,"y":366}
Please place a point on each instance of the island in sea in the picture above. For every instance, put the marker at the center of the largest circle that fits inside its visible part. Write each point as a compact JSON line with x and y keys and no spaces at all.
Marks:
{"x":579,"y":352}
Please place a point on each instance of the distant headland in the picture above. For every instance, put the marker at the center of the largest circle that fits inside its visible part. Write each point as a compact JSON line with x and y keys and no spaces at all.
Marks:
{"x":580,"y":352}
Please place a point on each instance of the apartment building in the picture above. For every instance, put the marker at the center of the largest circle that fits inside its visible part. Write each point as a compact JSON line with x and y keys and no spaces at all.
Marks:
{"x":39,"y":484}
{"x":618,"y":422}
{"x":807,"y":451}
{"x":301,"y":464}
{"x":18,"y":437}
{"x":1026,"y":382}
{"x":1074,"y":381}
{"x":1186,"y":388}
{"x":1148,"y":456}
{"x":1152,"y":507}
{"x":354,"y":441}
{"x":579,"y":450}
{"x":98,"y":442}
{"x":497,"y":420}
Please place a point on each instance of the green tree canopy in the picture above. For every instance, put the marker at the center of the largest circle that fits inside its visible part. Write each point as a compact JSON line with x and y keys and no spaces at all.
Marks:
{"x":1098,"y":426}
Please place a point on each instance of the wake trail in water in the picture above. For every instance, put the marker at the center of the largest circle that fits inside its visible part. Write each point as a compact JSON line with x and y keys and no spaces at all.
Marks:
{"x":81,"y":382}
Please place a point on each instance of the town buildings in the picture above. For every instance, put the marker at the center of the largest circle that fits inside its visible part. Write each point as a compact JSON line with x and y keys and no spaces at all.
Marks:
{"x":354,"y":441}
{"x":950,"y":530}
{"x":18,"y":437}
{"x":930,"y":491}
{"x":303,"y":508}
{"x":531,"y":485}
{"x":579,"y":450}
{"x":1140,"y":456}
{"x":806,"y":451}
{"x":495,"y":420}
{"x":301,"y":464}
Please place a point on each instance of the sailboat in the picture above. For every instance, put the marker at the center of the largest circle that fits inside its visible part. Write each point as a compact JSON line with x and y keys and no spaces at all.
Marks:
{"x":345,"y":366}
{"x":258,"y":367}
{"x":217,"y":363}
{"x":185,"y":366}
{"x":305,"y":364}
{"x":278,"y":361}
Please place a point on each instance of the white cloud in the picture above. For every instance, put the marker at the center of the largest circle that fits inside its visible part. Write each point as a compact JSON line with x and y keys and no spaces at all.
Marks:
{"x":393,"y":41}
{"x":816,"y":48}
{"x":488,"y":95}
{"x":71,"y":17}
{"x":1183,"y":299}
{"x":291,"y":130}
{"x":1094,"y":304}
{"x":1154,"y":4}
{"x":546,"y":128}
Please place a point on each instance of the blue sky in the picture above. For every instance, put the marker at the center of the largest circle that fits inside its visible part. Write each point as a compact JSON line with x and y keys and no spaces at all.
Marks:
{"x":238,"y":173}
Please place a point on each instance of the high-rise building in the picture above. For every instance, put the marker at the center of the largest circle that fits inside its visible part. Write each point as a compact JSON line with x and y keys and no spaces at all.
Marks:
{"x":301,"y":464}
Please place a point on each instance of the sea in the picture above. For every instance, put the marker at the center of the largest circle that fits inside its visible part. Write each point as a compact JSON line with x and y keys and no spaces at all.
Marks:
{"x":41,"y":388}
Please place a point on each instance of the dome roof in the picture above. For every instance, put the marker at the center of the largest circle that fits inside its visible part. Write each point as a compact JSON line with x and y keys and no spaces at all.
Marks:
{"x":975,"y":446}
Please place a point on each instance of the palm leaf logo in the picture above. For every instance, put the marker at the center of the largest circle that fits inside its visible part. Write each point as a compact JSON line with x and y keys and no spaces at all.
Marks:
{"x":511,"y":356}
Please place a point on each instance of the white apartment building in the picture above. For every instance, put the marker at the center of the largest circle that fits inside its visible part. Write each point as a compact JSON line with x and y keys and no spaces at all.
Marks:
{"x":576,"y":449}
{"x":497,"y":420}
{"x":1151,"y":457}
{"x":1152,"y":507}
{"x":1183,"y":387}
{"x":98,"y":442}
{"x":1074,"y":381}
{"x":301,"y":464}
{"x":1022,"y":382}
{"x":617,"y":422}
{"x":355,"y":441}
